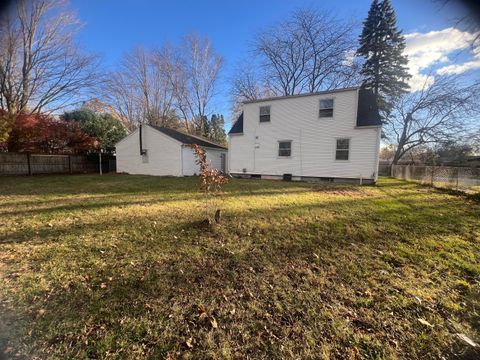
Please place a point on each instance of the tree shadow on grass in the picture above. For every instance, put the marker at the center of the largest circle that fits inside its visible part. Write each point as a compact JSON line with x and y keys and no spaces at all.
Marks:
{"x":260,"y":262}
{"x":157,"y":298}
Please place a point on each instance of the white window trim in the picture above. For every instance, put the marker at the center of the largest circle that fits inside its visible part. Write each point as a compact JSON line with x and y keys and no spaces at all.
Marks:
{"x":333,"y":109}
{"x":278,"y":149}
{"x":270,"y":114}
{"x":349,"y":149}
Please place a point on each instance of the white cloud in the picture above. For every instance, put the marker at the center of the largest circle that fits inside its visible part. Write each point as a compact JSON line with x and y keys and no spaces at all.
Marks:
{"x":435,"y":48}
{"x":461,"y":68}
{"x":420,"y":81}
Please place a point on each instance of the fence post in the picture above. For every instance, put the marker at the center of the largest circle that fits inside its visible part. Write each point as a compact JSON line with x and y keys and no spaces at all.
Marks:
{"x":70,"y":170}
{"x":433,"y":174}
{"x":456,"y":185}
{"x":29,"y":164}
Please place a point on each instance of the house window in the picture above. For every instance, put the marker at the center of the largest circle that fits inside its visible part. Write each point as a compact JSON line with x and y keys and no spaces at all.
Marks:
{"x":264,"y":113}
{"x":284,"y":148}
{"x":326,"y":108}
{"x":343,"y":148}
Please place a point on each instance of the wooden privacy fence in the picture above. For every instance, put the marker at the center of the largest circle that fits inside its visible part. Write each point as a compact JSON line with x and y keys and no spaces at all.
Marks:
{"x":384,"y":169}
{"x":452,"y":177}
{"x":32,"y":164}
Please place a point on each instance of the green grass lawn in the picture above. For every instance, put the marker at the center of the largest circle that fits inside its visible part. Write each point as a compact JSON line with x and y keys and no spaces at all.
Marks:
{"x":118,"y":267}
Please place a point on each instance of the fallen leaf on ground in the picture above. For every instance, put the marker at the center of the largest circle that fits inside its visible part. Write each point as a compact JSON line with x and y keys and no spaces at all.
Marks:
{"x":213,"y":322}
{"x":467,"y":340}
{"x":425,"y":322}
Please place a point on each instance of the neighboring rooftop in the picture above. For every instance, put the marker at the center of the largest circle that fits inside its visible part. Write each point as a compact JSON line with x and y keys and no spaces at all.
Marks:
{"x":188,"y":139}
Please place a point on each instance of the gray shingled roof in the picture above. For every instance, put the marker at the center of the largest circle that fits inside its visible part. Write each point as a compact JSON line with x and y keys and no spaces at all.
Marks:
{"x":188,"y":139}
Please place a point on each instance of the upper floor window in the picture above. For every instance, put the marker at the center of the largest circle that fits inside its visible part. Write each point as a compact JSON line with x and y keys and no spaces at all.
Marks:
{"x":284,"y":148}
{"x":343,"y":149}
{"x":264,"y":113}
{"x":326,"y":108}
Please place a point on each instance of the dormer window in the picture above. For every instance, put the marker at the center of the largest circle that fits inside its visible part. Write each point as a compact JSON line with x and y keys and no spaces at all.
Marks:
{"x":326,"y":108}
{"x":264,"y":113}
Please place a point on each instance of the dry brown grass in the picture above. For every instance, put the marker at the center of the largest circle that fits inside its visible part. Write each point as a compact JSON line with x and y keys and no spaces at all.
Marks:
{"x":115,"y":267}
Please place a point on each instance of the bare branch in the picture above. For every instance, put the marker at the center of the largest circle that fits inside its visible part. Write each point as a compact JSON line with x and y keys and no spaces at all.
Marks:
{"x":41,"y":68}
{"x":436,"y":114}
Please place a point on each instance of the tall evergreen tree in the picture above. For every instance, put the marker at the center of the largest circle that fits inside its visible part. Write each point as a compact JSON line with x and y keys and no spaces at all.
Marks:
{"x":382,"y":45}
{"x":217,"y":131}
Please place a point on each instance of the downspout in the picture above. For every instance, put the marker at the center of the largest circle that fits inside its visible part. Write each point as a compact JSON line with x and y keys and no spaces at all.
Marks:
{"x":181,"y":159}
{"x":228,"y":153}
{"x":142,"y":151}
{"x":377,"y":160}
{"x":301,"y":154}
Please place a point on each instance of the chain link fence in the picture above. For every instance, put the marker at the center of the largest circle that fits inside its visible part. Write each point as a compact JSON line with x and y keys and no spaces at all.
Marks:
{"x":458,"y":178}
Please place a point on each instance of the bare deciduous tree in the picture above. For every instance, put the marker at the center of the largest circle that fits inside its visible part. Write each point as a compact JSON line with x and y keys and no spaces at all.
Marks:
{"x":246,"y":84}
{"x":311,"y":51}
{"x":435,"y":114}
{"x":41,"y":68}
{"x":197,"y":71}
{"x":140,"y":90}
{"x":159,"y":86}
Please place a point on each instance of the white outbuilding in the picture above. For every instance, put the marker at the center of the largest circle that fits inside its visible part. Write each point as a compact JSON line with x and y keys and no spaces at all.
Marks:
{"x":161,"y":151}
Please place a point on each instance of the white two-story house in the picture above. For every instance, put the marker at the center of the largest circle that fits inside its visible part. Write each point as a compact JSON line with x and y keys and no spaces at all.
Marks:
{"x":331,"y":135}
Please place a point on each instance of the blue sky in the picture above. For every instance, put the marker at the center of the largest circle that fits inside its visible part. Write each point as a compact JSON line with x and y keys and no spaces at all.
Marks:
{"x":113,"y":27}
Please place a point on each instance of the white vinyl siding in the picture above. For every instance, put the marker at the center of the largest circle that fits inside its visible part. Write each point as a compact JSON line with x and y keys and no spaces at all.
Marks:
{"x":189,"y":165}
{"x":313,"y":147}
{"x":164,"y":155}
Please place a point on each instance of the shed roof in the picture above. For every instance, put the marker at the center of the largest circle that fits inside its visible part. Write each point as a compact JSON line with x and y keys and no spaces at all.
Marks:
{"x":188,"y":139}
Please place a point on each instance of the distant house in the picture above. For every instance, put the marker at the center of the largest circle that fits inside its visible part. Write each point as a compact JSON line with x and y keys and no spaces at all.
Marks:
{"x":153,"y":150}
{"x":331,"y":135}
